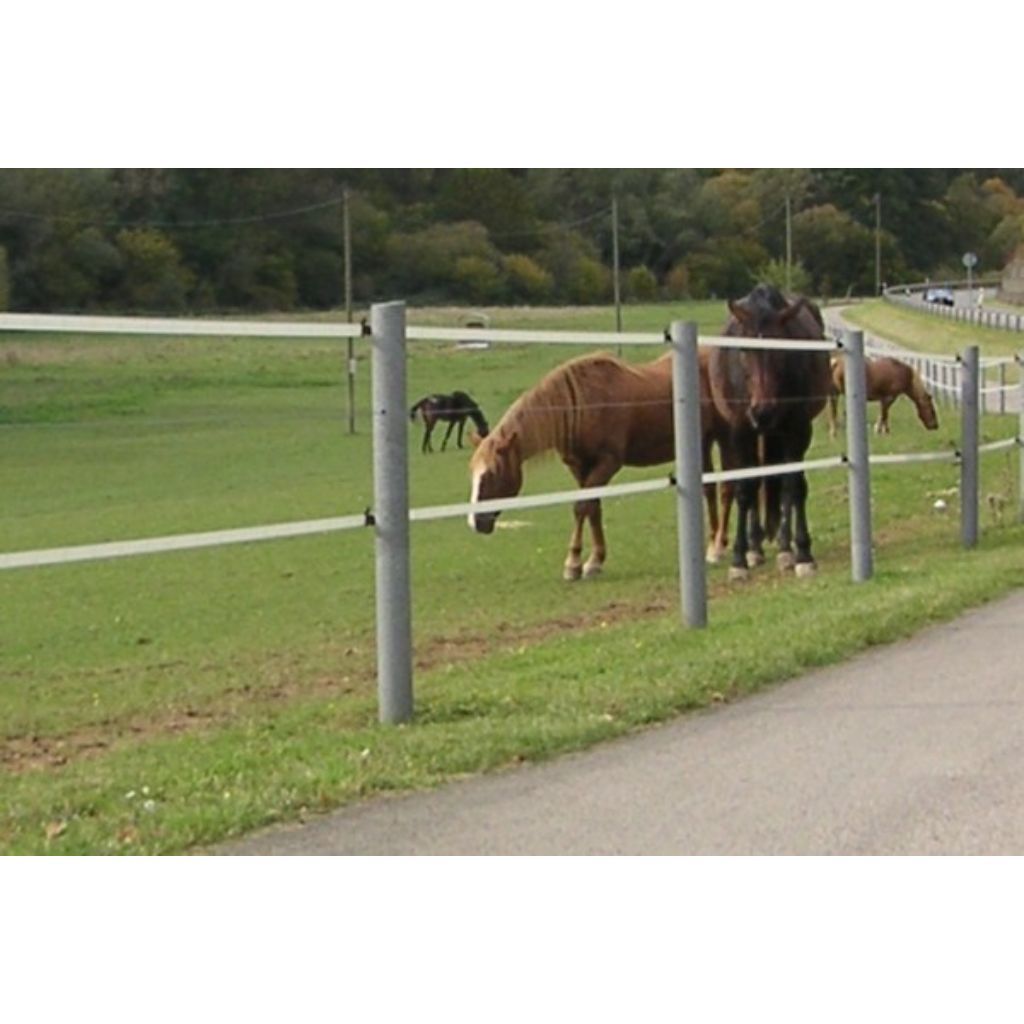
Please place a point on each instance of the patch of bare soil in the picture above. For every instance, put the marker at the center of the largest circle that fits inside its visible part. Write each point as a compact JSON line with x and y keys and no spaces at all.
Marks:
{"x":52,"y":752}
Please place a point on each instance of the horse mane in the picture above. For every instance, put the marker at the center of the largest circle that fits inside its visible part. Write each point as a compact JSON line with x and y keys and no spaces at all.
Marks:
{"x":542,"y":417}
{"x":918,"y":388}
{"x":547,"y":416}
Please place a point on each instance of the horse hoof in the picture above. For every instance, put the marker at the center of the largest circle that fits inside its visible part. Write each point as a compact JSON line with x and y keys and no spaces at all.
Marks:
{"x":805,"y":570}
{"x":785,"y":561}
{"x":713,"y":556}
{"x":754,"y":559}
{"x":737,"y":574}
{"x":590,"y":570}
{"x":572,"y":573}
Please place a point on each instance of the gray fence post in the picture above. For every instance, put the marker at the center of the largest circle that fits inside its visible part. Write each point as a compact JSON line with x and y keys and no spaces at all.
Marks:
{"x":858,"y":457}
{"x":1002,"y":388}
{"x":969,"y":420}
{"x":689,"y":511}
{"x":391,"y":513}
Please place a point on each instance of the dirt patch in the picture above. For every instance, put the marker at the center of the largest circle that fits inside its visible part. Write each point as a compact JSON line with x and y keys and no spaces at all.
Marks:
{"x":40,"y":753}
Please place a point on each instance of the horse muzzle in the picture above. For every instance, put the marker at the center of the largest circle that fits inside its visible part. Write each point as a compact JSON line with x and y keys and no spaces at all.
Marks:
{"x":483,"y":522}
{"x":762,"y":417}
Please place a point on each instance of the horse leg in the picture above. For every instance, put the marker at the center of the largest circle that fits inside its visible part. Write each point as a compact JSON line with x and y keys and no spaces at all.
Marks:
{"x":427,"y":431}
{"x":746,"y":500}
{"x":448,"y":433}
{"x":597,"y":477}
{"x":882,"y":426}
{"x":778,"y":503}
{"x":746,"y":503}
{"x":728,"y":500}
{"x":805,"y":564}
{"x":714,"y":552}
{"x":785,"y":560}
{"x":572,"y":568}
{"x":462,"y":427}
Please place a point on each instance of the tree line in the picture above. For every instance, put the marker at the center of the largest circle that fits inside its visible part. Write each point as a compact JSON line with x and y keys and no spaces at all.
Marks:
{"x":183,"y":240}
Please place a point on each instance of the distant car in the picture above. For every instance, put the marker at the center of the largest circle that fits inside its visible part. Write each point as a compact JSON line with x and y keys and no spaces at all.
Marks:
{"x":940,"y":296}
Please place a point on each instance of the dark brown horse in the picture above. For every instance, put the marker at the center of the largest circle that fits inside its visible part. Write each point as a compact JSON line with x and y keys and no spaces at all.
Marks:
{"x":769,"y":399}
{"x":887,"y":379}
{"x":599,"y":414}
{"x":453,"y":409}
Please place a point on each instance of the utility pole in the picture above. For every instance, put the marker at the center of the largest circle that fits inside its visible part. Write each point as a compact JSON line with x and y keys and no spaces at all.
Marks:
{"x":878,"y":243}
{"x":347,"y":232}
{"x":789,"y":244}
{"x":615,"y":266}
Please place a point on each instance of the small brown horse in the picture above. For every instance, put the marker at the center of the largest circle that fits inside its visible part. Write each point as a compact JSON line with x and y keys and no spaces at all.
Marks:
{"x":599,"y":414}
{"x":887,"y":379}
{"x":769,"y":399}
{"x":453,"y":409}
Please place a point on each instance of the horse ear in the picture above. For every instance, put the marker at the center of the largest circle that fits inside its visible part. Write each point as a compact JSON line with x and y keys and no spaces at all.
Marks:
{"x":738,"y":311}
{"x":506,"y":442}
{"x":791,"y":310}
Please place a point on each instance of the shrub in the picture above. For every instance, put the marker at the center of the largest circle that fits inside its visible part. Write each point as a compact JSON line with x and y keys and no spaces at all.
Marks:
{"x":478,"y":279}
{"x":424,"y":260}
{"x":677,"y":282}
{"x":641,"y":284}
{"x":527,"y":280}
{"x":154,"y":279}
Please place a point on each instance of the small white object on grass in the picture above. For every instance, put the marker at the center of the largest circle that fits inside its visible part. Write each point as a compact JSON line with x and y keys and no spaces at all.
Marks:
{"x":939,"y":506}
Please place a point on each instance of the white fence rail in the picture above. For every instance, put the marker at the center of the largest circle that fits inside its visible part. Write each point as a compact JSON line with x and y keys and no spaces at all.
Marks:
{"x":960,"y":376}
{"x":998,"y":319}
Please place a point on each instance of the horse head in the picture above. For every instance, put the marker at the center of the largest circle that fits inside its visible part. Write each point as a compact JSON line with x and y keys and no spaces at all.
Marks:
{"x":497,"y":472}
{"x":765,"y":313}
{"x":926,"y":412}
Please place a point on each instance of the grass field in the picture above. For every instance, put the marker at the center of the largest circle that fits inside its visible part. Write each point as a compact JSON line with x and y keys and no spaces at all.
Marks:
{"x":159,"y":704}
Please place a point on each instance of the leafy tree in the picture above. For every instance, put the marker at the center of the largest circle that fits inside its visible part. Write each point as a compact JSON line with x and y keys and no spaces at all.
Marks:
{"x":725,"y":267}
{"x":427,"y":259}
{"x":154,"y":278}
{"x":838,"y":251}
{"x":478,"y":279}
{"x":774,"y":272}
{"x":5,"y":281}
{"x":527,"y":280}
{"x":677,"y":282}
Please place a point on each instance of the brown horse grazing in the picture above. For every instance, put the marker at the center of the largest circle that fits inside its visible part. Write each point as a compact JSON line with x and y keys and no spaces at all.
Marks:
{"x":887,"y":379}
{"x":599,"y":414}
{"x":453,"y":409}
{"x":769,"y":398}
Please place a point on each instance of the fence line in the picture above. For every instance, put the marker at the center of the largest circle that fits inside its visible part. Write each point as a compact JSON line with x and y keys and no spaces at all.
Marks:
{"x":57,"y":324}
{"x":995,"y":318}
{"x":391,"y":515}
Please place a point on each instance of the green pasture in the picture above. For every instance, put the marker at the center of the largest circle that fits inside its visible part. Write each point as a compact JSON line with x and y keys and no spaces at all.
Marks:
{"x":926,"y":332}
{"x":161,"y":703}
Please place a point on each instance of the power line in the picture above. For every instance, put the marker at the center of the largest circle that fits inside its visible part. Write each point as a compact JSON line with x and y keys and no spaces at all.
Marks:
{"x":257,"y":218}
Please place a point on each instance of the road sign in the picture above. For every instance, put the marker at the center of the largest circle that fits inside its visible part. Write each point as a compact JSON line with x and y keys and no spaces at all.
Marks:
{"x":970,"y":259}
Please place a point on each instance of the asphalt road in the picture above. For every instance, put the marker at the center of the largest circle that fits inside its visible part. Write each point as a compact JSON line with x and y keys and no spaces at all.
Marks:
{"x":912,"y":748}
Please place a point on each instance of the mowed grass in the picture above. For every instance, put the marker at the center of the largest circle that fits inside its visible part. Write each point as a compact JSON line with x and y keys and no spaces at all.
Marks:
{"x":162,"y":703}
{"x":925,"y":332}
